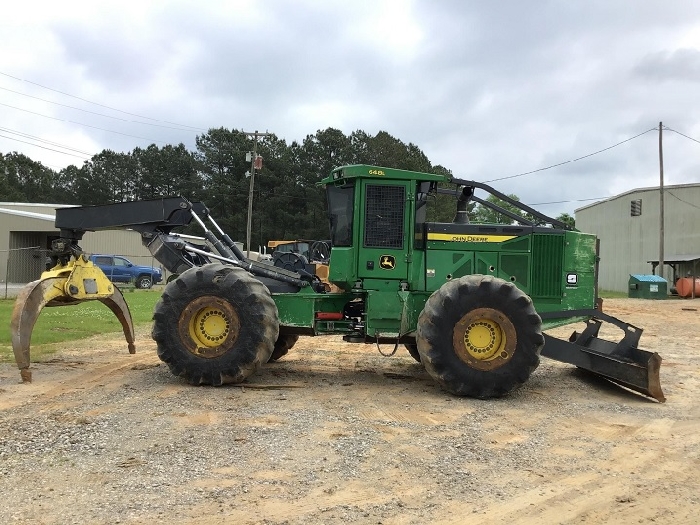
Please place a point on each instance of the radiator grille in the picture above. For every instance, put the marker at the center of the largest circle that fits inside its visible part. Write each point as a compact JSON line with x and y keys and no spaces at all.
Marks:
{"x":547,"y":262}
{"x":384,"y":216}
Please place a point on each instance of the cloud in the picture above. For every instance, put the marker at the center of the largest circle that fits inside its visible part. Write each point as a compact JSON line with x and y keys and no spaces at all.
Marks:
{"x":664,"y":66}
{"x":488,"y":90}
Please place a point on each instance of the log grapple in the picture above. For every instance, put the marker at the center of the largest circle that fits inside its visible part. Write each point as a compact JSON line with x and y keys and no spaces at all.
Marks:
{"x":74,"y":279}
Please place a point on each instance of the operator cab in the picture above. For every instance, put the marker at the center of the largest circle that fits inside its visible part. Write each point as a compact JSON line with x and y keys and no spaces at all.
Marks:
{"x":374,"y":215}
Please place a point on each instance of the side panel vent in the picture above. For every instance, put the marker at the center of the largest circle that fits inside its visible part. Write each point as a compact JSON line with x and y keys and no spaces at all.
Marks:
{"x":547,"y":263}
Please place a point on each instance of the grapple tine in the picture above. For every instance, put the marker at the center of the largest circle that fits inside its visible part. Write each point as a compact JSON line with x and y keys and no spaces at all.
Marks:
{"x":117,"y":304}
{"x":28,"y":304}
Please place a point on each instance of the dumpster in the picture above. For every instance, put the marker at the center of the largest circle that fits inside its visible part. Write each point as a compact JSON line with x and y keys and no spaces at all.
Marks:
{"x":647,"y":287}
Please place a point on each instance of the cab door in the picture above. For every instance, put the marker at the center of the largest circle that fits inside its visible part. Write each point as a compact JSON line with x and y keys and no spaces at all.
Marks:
{"x":385,"y":234}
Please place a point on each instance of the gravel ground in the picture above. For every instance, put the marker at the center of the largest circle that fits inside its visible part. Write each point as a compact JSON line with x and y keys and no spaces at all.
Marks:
{"x":336,"y":433}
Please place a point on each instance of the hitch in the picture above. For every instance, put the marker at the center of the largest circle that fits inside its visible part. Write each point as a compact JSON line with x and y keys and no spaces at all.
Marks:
{"x":622,"y":363}
{"x":71,"y":281}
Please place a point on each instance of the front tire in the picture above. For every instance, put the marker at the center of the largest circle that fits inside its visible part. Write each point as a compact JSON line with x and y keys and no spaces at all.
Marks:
{"x":144,"y":282}
{"x":479,"y":336}
{"x":215,"y":324}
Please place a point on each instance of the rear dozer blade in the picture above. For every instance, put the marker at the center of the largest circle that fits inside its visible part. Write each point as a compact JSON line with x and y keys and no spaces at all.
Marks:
{"x":72,"y":284}
{"x":622,"y":363}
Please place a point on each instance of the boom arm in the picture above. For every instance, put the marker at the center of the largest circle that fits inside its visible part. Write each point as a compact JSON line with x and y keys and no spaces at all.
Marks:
{"x":143,"y":216}
{"x":154,"y":220}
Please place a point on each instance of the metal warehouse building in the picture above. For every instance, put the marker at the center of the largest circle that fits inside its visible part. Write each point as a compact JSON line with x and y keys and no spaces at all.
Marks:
{"x":26,"y":232}
{"x":629,"y":243}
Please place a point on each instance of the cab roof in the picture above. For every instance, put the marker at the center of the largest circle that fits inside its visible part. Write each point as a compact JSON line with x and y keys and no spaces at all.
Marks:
{"x":360,"y":171}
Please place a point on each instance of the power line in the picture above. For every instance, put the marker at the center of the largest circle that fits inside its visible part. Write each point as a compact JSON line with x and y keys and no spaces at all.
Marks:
{"x":682,"y":135}
{"x":685,"y":202}
{"x":38,"y":139}
{"x":572,"y":160}
{"x":98,"y":104}
{"x":43,"y":147}
{"x":82,"y":124}
{"x":55,"y":166}
{"x":95,"y":113}
{"x":566,"y":202}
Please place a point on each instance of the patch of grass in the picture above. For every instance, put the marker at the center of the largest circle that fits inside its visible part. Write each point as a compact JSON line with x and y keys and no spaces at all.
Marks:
{"x":608,"y":294}
{"x":69,"y":323}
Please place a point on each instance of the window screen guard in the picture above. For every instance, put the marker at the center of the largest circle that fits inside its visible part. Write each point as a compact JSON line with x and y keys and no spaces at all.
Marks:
{"x":384,"y":216}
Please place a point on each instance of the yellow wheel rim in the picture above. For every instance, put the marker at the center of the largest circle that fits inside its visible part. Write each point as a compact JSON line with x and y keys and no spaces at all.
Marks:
{"x":484,"y":338}
{"x":209,"y":326}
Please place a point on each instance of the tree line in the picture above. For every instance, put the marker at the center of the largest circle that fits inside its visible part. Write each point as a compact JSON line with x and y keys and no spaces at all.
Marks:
{"x":287,"y":202}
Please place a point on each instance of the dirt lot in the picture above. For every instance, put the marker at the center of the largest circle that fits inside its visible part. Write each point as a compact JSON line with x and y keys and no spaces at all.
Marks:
{"x":336,"y":433}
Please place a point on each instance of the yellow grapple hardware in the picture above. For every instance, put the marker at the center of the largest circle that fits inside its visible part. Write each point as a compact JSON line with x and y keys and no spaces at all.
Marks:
{"x":76,"y":281}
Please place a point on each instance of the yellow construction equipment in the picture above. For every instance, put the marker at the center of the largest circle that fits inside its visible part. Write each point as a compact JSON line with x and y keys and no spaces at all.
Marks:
{"x":70,"y":281}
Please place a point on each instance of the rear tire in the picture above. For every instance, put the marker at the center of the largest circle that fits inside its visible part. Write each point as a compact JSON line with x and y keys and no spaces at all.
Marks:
{"x":283,"y":345}
{"x":413,"y":350}
{"x":479,"y":336}
{"x":215,"y":324}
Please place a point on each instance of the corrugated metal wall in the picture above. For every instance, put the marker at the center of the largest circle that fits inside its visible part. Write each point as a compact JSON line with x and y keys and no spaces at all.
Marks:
{"x":21,"y":242}
{"x":26,"y":256}
{"x":119,"y":242}
{"x":17,"y":233}
{"x":627,"y":243}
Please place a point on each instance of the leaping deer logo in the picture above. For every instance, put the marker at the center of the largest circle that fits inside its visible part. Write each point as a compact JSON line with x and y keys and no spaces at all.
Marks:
{"x":387,"y":262}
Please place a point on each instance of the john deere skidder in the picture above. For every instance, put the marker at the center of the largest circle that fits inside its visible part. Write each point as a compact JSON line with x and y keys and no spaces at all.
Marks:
{"x":469,"y":301}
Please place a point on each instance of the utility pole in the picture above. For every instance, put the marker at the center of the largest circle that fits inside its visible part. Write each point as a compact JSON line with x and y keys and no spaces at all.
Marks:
{"x":661,"y":202}
{"x":252,"y":183}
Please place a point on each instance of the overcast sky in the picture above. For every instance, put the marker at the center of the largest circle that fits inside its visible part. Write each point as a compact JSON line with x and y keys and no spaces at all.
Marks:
{"x":486,"y":89}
